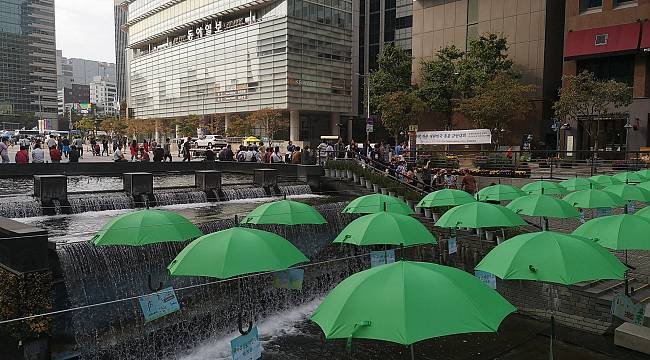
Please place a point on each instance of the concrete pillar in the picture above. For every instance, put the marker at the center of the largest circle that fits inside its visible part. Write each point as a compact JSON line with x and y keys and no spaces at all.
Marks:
{"x":157,"y":131}
{"x":50,"y":187}
{"x":207,"y":180}
{"x":23,"y":248}
{"x":226,"y":122}
{"x":350,"y":126}
{"x":311,"y":174}
{"x":335,"y":120}
{"x":294,"y":125}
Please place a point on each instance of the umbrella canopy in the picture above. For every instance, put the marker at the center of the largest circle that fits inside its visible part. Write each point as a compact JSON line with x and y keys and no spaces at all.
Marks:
{"x":543,"y":205}
{"x":644,"y":173}
{"x":146,"y":227}
{"x":500,"y":192}
{"x":617,"y":232}
{"x":446,"y":197}
{"x":629,"y":192}
{"x":284,"y":212}
{"x":645,"y":185}
{"x":375,"y":203}
{"x":577,"y":184}
{"x":234,"y":252}
{"x":552,"y":257}
{"x":629,"y":177}
{"x":544,"y":187}
{"x":251,"y":139}
{"x":407,"y":302}
{"x":605,"y":180}
{"x":594,"y":199}
{"x":479,"y":215}
{"x":644,"y":213}
{"x":385,"y":228}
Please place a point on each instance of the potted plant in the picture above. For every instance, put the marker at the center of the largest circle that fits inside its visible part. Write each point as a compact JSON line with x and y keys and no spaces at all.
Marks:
{"x":328,"y":169}
{"x":428,"y":213}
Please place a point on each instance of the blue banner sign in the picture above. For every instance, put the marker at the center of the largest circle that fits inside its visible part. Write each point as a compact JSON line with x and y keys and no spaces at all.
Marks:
{"x":453,"y":246}
{"x":487,"y":278}
{"x":246,"y":347}
{"x":159,"y":304}
{"x":289,"y":279}
{"x":378,"y":258}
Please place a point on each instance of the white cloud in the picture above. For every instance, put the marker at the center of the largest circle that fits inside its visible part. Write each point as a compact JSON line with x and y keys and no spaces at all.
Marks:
{"x":85,"y":29}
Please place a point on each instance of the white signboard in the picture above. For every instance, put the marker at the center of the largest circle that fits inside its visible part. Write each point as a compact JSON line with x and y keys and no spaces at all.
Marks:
{"x":453,"y":246}
{"x":459,"y":137}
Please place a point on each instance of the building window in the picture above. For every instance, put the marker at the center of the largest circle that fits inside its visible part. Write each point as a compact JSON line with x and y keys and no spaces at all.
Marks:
{"x":619,"y":68}
{"x":618,"y":3}
{"x":590,"y":4}
{"x":472,"y":12}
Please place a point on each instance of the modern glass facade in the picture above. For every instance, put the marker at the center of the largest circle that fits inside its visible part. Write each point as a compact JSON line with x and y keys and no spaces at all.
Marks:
{"x":120,"y":17}
{"x":203,"y":57}
{"x":28,"y":76}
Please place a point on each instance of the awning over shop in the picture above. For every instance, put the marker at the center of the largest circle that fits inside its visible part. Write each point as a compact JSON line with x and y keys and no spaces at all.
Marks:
{"x":603,"y":40}
{"x":645,"y":37}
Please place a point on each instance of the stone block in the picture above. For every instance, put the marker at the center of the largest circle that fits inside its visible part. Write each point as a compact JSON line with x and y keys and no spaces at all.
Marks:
{"x":23,"y":248}
{"x":265,"y":177}
{"x":50,"y":187}
{"x":139,"y":183}
{"x":207,"y":180}
{"x":633,"y":337}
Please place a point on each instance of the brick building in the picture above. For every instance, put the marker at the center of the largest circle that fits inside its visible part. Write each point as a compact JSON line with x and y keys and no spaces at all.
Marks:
{"x":610,"y":38}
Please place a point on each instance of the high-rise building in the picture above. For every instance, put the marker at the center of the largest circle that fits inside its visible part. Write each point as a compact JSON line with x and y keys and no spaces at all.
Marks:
{"x":235,"y":57}
{"x":103,"y":96}
{"x":72,"y":95}
{"x":121,"y":13}
{"x":534,"y":30}
{"x":82,"y":71}
{"x":28,"y":67}
{"x":611,"y":39}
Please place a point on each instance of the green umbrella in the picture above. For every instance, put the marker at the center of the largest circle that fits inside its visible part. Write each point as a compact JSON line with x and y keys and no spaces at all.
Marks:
{"x":579,"y":184}
{"x":605,"y":180}
{"x":406,"y":302}
{"x":551,"y":257}
{"x":385,"y":228}
{"x":375,"y":203}
{"x":234,"y":252}
{"x":644,"y":185}
{"x":446,"y":197}
{"x":479,"y":215}
{"x":629,"y":177}
{"x":145,"y":227}
{"x":284,"y":212}
{"x":500,"y":192}
{"x":594,"y":199}
{"x":544,"y":187}
{"x":644,"y":213}
{"x":629,"y":192}
{"x":618,"y":232}
{"x":644,"y":173}
{"x":544,"y":206}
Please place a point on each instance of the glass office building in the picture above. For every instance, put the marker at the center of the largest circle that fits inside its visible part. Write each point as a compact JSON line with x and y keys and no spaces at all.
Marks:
{"x":28,"y":77}
{"x":237,"y":56}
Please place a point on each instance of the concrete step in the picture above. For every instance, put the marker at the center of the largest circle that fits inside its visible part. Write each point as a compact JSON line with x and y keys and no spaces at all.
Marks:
{"x":633,"y":337}
{"x":642,"y":293}
{"x":605,"y":286}
{"x":633,"y":283}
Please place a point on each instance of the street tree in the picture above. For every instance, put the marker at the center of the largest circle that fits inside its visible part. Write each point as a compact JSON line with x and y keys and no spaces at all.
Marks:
{"x":439,"y":85}
{"x":582,"y":96}
{"x":393,"y":74}
{"x":85,"y":124}
{"x":400,"y":109}
{"x":270,"y":121}
{"x":497,"y":104}
{"x":114,"y":126}
{"x":239,"y":126}
{"x":187,"y":125}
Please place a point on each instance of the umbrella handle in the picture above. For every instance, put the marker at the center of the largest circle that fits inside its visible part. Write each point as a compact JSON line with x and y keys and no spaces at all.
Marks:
{"x":240,"y":323}
{"x":151,"y":287}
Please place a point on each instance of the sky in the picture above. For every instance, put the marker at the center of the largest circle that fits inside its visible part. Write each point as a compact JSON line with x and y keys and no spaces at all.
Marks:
{"x":85,"y":29}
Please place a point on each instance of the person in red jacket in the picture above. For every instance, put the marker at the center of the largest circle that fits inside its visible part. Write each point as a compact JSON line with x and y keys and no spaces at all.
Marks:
{"x":55,"y":154}
{"x":22,"y":157}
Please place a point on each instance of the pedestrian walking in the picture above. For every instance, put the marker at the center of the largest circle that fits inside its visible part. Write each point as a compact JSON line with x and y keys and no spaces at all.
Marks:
{"x":167,"y":150}
{"x":4,"y":150}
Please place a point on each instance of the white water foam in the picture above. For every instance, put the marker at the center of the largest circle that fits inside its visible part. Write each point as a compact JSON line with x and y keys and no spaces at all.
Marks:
{"x":273,"y":327}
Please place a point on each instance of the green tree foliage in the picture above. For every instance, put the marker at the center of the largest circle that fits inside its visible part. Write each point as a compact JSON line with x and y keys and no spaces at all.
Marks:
{"x":239,"y":126}
{"x":440,"y":81}
{"x":270,"y":121}
{"x":584,"y":96}
{"x":394,"y":74}
{"x":498,"y":103}
{"x":399,"y":109}
{"x":114,"y":126}
{"x":85,"y":124}
{"x":485,"y":58}
{"x":187,"y":125}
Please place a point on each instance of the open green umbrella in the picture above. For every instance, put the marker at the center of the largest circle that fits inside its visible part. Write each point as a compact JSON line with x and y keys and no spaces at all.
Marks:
{"x":605,"y":180}
{"x":645,"y":173}
{"x":145,"y":227}
{"x":578,"y":183}
{"x":446,"y":197}
{"x":387,"y":229}
{"x":284,"y":212}
{"x":644,"y":213}
{"x":406,"y":302}
{"x":544,"y":187}
{"x":629,"y":177}
{"x":375,"y":203}
{"x":500,"y":192}
{"x":644,"y":185}
{"x":594,"y":199}
{"x":629,"y":192}
{"x":479,"y":215}
{"x":544,"y":206}
{"x":551,"y":257}
{"x":234,"y":252}
{"x":618,"y":232}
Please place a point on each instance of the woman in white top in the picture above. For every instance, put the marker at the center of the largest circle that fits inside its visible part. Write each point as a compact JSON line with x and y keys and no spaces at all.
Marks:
{"x":38,"y":156}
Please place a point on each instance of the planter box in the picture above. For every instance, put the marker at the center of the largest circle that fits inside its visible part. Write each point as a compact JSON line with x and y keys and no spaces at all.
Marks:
{"x":384,"y":191}
{"x":328,"y":172}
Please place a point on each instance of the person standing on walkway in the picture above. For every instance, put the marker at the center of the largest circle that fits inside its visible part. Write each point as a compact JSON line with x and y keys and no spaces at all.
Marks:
{"x":468,"y":182}
{"x":74,"y":154}
{"x":158,"y":154}
{"x":51,"y":142}
{"x":134,"y":150}
{"x":22,"y":157}
{"x":38,"y":156}
{"x":4,"y":150}
{"x":105,"y":147}
{"x":79,"y":144}
{"x":66,"y":146}
{"x":186,"y":149}
{"x":55,"y":155}
{"x":168,"y":150}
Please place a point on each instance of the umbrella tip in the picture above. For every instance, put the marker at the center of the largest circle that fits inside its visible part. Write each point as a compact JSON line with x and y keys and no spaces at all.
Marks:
{"x":532,"y":268}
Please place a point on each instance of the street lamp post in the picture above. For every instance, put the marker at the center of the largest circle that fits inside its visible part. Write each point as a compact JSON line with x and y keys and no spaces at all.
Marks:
{"x":627,"y":127}
{"x":367,"y":78}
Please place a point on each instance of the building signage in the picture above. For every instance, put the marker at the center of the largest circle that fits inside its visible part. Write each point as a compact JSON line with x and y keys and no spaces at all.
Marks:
{"x":624,"y":309}
{"x":289,"y":279}
{"x":453,"y":246}
{"x":378,"y":258}
{"x":460,"y":137}
{"x":487,"y":278}
{"x":246,"y":347}
{"x":232,"y":95}
{"x":156,"y":305}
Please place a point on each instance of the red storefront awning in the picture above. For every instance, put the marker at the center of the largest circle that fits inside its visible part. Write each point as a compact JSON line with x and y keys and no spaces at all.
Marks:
{"x":645,"y":37}
{"x":602,"y":40}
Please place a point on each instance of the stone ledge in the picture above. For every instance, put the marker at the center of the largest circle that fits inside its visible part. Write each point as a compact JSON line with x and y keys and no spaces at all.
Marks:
{"x":633,"y":337}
